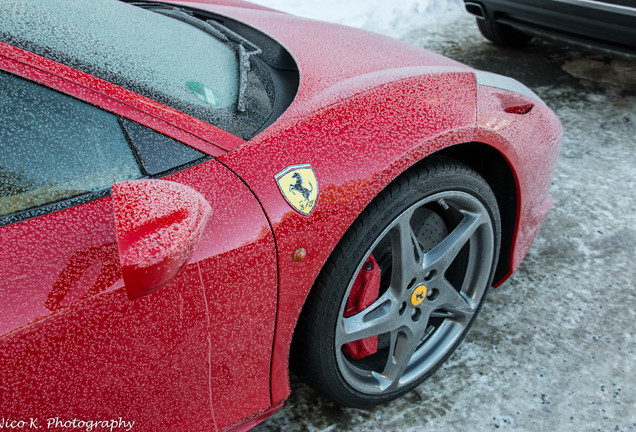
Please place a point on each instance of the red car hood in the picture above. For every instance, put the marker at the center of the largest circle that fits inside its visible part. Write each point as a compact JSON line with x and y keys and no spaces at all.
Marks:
{"x":334,"y":61}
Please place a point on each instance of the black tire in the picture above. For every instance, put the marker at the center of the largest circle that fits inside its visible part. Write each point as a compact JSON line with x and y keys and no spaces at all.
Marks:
{"x":431,"y":286}
{"x":501,"y":34}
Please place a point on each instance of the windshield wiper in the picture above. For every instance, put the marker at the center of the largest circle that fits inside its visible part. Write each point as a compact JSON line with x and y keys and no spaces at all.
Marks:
{"x":244,"y":48}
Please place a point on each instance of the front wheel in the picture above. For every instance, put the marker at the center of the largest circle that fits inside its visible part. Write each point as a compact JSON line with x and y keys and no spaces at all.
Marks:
{"x":402,"y":288}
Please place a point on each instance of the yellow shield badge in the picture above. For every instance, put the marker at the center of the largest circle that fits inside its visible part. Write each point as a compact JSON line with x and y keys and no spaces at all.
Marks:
{"x":299,"y":186}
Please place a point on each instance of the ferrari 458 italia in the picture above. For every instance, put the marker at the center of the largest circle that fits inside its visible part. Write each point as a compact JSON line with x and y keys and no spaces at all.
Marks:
{"x":197,"y":196}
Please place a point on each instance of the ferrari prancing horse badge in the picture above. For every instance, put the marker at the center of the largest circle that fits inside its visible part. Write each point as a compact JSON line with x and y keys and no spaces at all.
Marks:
{"x":299,"y":186}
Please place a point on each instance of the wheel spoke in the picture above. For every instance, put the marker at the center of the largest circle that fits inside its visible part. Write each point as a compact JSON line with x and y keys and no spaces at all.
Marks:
{"x":376,"y":319}
{"x":443,"y":254}
{"x":404,"y":342}
{"x":407,"y":254}
{"x":439,"y":313}
{"x":454,"y":301}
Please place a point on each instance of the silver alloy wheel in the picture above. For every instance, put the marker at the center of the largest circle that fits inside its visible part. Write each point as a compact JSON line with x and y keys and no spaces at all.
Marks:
{"x":445,"y":243}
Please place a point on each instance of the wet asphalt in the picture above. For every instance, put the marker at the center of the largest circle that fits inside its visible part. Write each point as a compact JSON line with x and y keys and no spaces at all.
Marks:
{"x":553,"y":348}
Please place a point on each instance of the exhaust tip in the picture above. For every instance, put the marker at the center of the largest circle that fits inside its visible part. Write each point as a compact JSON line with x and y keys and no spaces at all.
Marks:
{"x":476,"y":9}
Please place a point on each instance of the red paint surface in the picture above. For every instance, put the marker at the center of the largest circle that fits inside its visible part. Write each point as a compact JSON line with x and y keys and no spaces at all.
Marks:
{"x":530,"y":143}
{"x":72,"y":344}
{"x":201,"y":347}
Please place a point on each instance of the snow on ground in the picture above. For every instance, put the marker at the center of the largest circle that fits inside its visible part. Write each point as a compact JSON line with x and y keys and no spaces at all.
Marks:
{"x":554,"y":347}
{"x":390,"y":18}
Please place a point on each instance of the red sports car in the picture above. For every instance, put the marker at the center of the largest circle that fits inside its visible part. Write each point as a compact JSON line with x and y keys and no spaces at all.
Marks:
{"x":196,"y":195}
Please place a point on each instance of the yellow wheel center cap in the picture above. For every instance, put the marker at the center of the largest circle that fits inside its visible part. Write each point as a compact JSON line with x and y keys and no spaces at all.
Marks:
{"x":418,"y":296}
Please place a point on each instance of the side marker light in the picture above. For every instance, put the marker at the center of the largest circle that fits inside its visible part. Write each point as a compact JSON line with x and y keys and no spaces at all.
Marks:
{"x":299,"y":254}
{"x":519,"y":109}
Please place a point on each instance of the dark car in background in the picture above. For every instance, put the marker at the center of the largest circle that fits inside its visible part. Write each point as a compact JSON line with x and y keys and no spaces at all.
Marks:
{"x":605,"y":24}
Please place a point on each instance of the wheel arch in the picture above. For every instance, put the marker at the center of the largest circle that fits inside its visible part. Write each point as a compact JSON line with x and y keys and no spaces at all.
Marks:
{"x":495,"y":169}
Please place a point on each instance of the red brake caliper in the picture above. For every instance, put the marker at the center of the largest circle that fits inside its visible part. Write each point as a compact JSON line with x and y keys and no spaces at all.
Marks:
{"x":365,"y":291}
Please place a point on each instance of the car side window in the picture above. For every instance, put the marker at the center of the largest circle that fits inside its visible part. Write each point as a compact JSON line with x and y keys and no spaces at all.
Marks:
{"x":55,"y":147}
{"x":158,"y":153}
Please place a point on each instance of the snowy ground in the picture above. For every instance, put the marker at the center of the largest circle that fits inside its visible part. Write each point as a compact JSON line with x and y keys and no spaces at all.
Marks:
{"x":554,"y":347}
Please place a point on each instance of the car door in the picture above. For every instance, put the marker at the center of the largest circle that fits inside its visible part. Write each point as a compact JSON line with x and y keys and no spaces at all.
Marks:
{"x":193,"y":355}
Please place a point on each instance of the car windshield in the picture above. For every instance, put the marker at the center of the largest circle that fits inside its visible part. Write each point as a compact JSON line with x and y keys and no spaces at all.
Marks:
{"x":158,"y":56}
